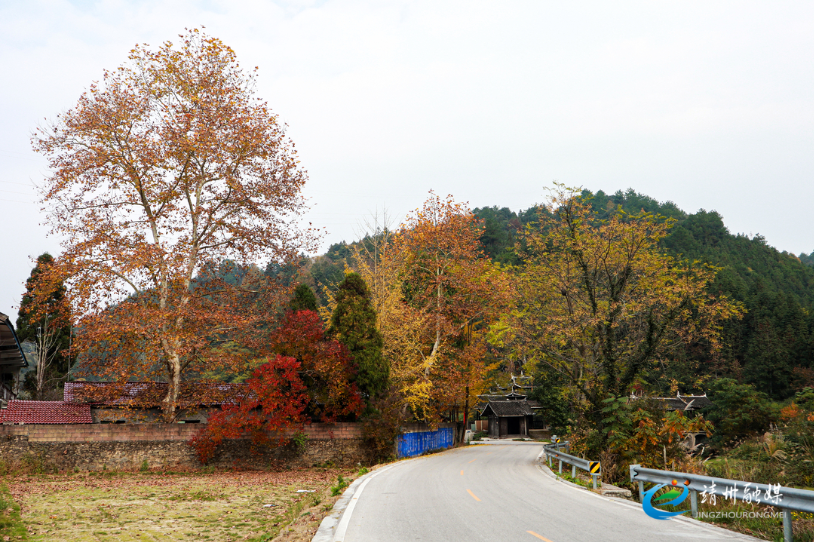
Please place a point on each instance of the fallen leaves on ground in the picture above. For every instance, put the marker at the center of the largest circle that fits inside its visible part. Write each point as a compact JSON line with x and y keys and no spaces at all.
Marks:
{"x":219,"y":506}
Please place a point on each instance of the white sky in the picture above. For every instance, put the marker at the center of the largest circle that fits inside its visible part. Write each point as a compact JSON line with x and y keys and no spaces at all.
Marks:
{"x":707,"y":104}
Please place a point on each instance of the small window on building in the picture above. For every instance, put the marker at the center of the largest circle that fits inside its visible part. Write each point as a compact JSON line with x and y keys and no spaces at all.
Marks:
{"x":190,"y":421}
{"x":120,"y":421}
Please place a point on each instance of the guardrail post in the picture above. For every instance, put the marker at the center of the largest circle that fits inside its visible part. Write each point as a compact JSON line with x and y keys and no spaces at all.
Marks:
{"x":594,"y":478}
{"x":641,"y":491}
{"x":694,"y":502}
{"x":573,"y":471}
{"x":787,"y":536}
{"x":560,"y":466}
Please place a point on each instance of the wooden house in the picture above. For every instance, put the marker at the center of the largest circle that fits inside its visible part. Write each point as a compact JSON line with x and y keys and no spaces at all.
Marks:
{"x":508,"y":415}
{"x":12,"y":359}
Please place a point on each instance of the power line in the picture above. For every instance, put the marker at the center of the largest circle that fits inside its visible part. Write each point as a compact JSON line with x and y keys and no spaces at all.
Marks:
{"x":13,"y":192}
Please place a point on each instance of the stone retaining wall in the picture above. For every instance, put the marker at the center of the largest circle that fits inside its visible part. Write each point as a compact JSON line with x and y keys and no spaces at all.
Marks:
{"x":128,"y":446}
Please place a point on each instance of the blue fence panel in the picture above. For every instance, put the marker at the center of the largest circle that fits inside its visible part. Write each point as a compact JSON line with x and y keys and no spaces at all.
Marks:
{"x":411,"y":444}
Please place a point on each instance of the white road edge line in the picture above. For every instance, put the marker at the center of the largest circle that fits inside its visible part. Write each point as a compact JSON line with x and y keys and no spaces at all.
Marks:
{"x":339,"y":536}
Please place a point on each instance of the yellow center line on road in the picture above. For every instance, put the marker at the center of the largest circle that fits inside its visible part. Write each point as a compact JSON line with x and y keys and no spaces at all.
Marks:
{"x":462,"y":473}
{"x":477,"y":499}
{"x":532,"y":533}
{"x":473,"y":460}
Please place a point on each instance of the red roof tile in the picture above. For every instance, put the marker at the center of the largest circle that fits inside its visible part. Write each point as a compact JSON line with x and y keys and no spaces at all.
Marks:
{"x":151,"y":394}
{"x":52,"y":412}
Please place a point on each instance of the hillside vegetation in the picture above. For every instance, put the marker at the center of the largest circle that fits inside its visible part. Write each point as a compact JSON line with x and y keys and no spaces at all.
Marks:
{"x":771,"y":347}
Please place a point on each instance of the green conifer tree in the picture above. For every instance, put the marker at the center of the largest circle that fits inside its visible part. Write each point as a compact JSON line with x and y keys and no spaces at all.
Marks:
{"x":31,"y":328}
{"x":353,"y":323}
{"x":304,"y":299}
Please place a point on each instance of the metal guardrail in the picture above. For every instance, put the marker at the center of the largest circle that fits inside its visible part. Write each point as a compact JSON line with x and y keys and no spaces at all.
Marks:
{"x":558,"y":445}
{"x":787,"y":498}
{"x":552,"y":452}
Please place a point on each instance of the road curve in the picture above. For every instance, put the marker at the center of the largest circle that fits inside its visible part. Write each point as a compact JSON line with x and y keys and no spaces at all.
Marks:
{"x":496,"y":491}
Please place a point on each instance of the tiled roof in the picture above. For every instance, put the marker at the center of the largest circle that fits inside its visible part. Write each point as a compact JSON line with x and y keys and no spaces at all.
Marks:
{"x":694,"y":402}
{"x":26,"y":412}
{"x":508,"y":408}
{"x":151,"y":394}
{"x":486,"y":399}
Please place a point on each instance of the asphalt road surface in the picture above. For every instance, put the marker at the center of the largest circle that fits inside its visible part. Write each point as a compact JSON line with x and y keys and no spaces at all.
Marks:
{"x":496,"y":491}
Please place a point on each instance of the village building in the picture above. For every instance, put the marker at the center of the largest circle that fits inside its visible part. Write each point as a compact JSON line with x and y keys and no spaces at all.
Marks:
{"x":508,"y":415}
{"x":119,"y":403}
{"x":511,"y":414}
{"x":141,"y":402}
{"x":684,"y":403}
{"x":688,"y":405}
{"x":12,"y":359}
{"x":44,"y":412}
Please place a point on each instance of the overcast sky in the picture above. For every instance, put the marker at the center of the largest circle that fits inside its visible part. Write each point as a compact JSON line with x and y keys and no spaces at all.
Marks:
{"x":707,"y":104}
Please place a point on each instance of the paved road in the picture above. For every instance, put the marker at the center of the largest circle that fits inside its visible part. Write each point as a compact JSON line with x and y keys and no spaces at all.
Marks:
{"x":492,"y":492}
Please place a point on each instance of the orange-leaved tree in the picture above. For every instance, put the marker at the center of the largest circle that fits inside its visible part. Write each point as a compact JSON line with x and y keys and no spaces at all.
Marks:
{"x":310,"y":379}
{"x":162,"y":171}
{"x":451,"y":291}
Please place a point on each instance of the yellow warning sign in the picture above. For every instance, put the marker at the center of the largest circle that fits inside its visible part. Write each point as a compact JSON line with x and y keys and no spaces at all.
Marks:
{"x":595,"y":467}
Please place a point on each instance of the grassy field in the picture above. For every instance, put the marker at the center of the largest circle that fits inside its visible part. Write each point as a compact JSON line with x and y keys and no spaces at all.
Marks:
{"x":258,"y":506}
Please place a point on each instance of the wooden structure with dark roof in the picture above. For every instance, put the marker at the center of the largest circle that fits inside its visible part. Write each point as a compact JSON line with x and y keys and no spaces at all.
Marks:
{"x":12,"y":359}
{"x":508,"y":415}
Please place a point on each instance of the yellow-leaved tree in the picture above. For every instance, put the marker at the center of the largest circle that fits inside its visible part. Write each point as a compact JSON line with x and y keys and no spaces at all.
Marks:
{"x":600,"y":303}
{"x":434,"y":292}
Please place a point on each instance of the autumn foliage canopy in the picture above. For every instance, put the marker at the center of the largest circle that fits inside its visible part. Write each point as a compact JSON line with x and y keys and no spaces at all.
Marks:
{"x":162,"y":171}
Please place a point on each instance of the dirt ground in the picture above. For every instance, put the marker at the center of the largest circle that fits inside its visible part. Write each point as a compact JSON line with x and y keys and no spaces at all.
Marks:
{"x":258,"y":506}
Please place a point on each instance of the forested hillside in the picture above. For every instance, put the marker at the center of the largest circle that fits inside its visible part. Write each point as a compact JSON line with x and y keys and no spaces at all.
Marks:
{"x":772,"y":347}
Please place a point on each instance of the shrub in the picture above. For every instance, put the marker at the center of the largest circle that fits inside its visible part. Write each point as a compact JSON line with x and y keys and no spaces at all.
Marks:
{"x":340,"y":486}
{"x":738,"y":411}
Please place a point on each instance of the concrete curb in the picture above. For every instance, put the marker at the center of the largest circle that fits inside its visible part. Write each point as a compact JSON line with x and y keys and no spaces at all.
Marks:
{"x":327,"y":528}
{"x":541,"y":464}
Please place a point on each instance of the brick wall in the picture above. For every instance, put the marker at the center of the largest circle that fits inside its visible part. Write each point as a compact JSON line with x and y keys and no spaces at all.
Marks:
{"x":127,"y":446}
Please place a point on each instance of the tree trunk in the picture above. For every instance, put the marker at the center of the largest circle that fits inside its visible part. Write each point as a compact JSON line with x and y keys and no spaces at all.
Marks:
{"x":466,"y":409}
{"x":173,"y":387}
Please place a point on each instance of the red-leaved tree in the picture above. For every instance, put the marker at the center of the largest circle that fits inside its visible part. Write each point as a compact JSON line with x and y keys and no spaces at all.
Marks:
{"x":272,"y":407}
{"x":326,"y":366}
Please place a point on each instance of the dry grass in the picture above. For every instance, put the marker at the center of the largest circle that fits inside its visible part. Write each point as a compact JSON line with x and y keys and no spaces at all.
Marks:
{"x":152,"y":507}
